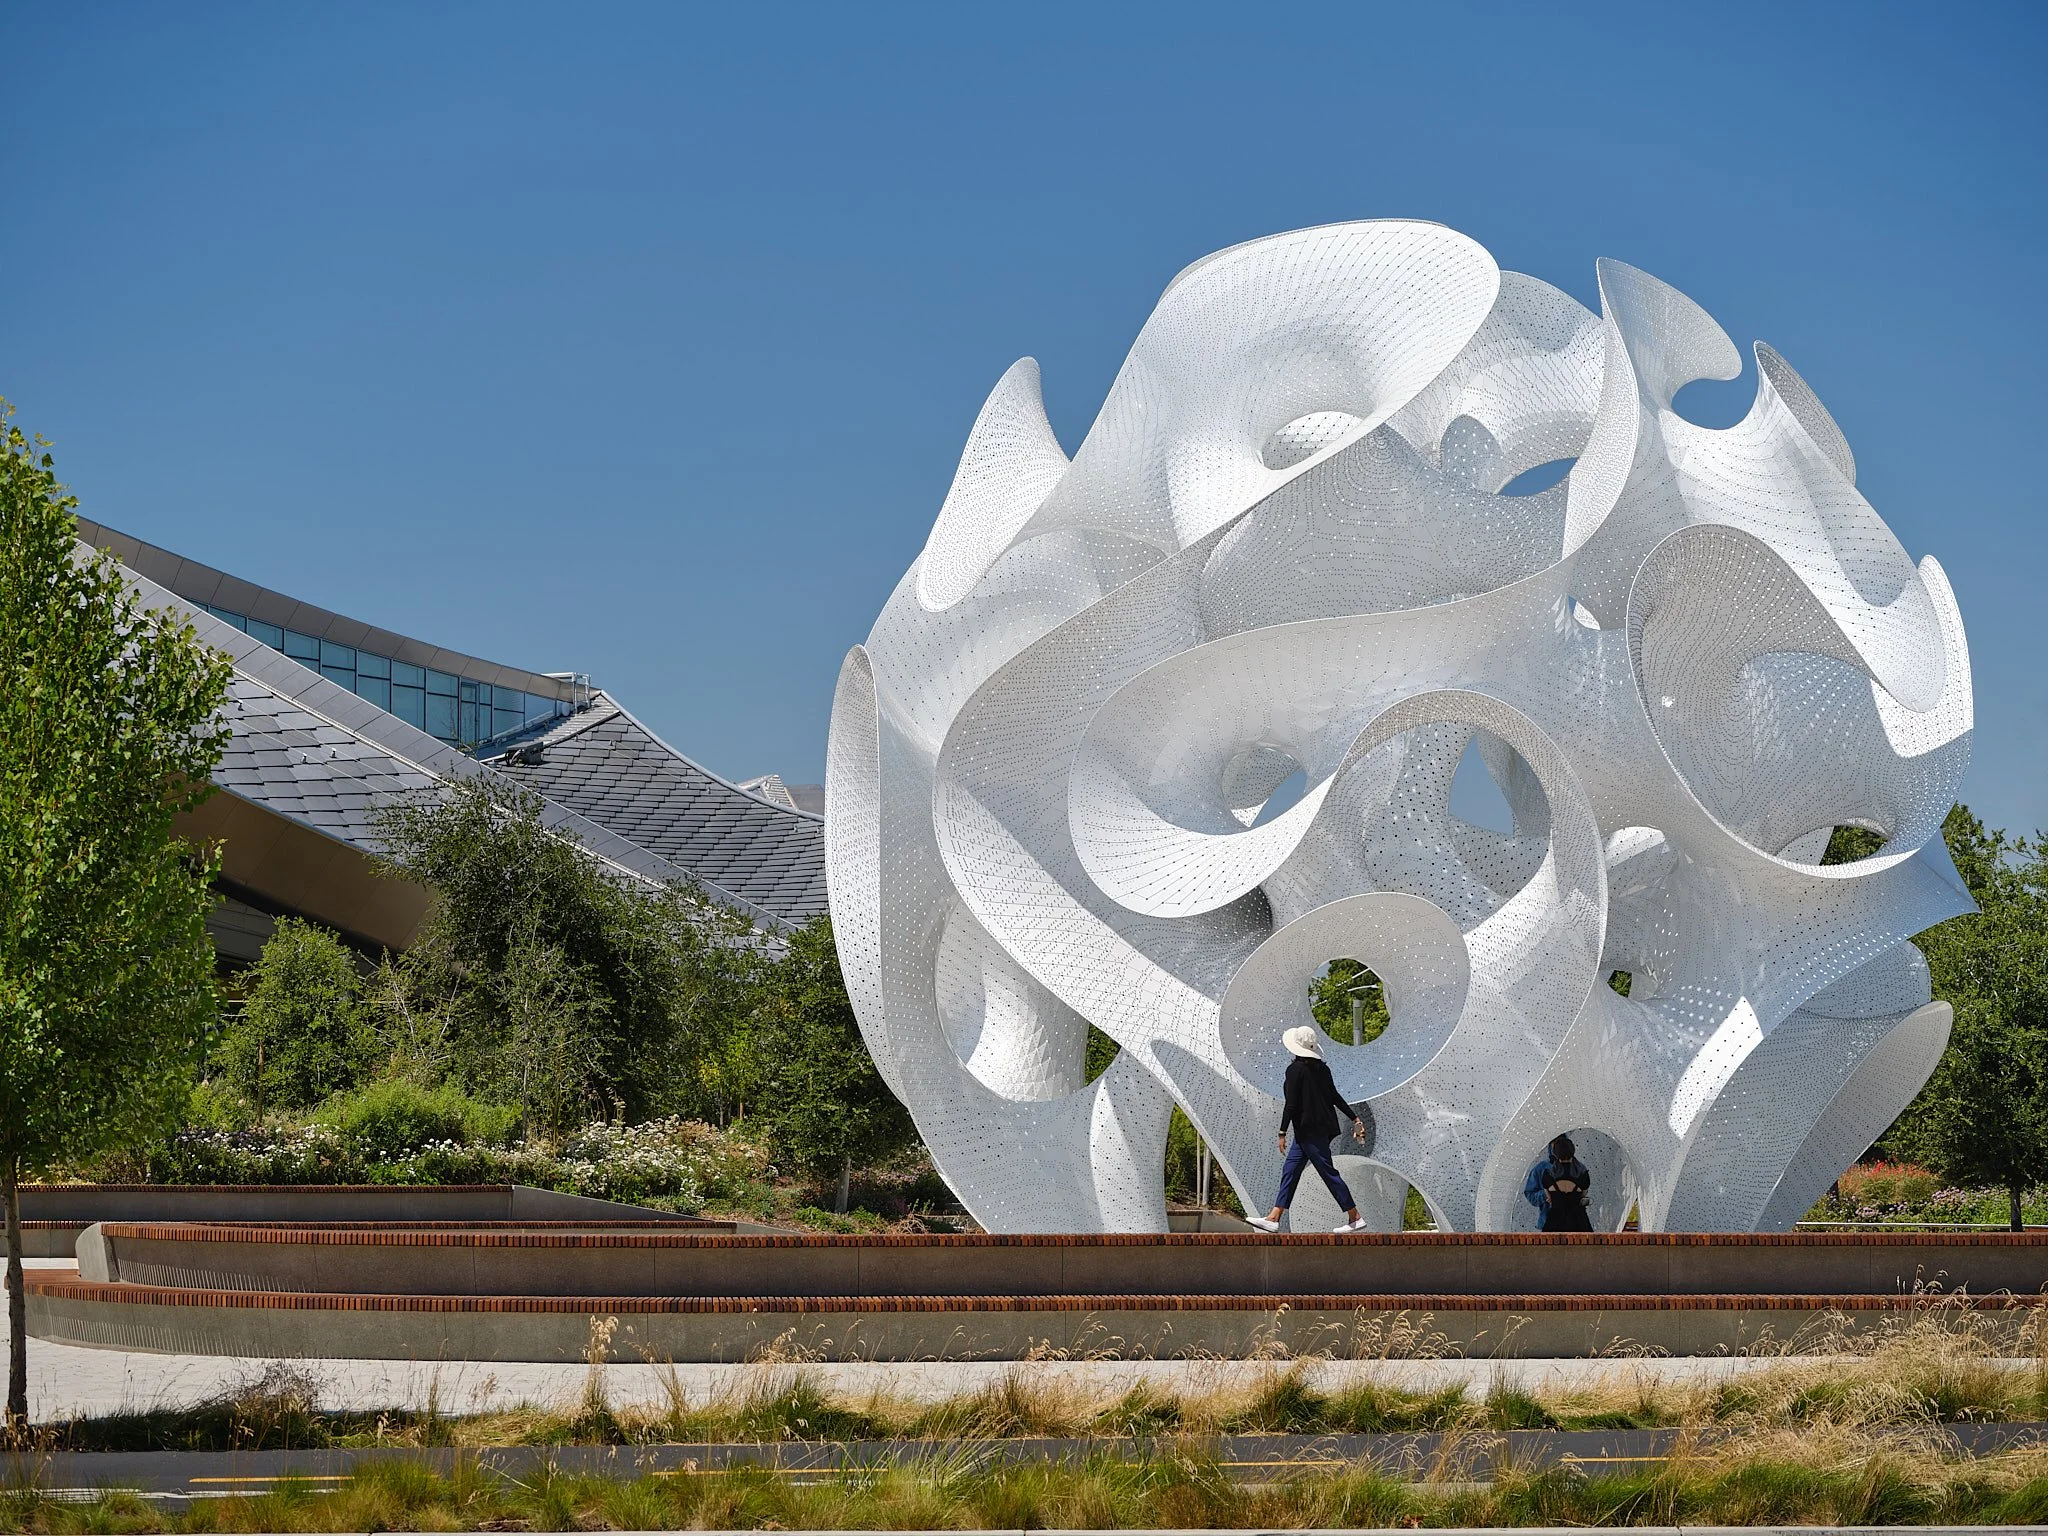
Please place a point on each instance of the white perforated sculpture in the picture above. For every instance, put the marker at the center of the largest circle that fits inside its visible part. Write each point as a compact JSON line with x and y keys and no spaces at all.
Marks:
{"x":1282,"y":553}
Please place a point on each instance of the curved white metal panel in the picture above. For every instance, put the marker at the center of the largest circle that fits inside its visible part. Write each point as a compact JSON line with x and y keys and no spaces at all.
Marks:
{"x":1283,"y":554}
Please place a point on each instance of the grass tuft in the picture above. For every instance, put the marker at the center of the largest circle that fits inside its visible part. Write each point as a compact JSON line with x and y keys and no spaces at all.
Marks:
{"x":1831,"y":1476}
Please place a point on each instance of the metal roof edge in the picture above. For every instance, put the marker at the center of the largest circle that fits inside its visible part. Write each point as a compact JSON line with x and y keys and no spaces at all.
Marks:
{"x":719,"y":778}
{"x":169,"y":566}
{"x":443,"y":762}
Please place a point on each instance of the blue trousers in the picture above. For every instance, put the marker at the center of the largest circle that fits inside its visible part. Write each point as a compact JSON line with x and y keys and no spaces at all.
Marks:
{"x":1309,"y":1150}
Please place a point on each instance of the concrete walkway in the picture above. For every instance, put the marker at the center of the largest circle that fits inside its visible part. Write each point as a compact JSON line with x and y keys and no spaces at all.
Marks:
{"x":66,"y":1381}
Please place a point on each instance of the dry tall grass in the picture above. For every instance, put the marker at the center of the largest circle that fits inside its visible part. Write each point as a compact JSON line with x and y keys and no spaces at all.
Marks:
{"x":1832,"y":1477}
{"x":1941,"y":1362}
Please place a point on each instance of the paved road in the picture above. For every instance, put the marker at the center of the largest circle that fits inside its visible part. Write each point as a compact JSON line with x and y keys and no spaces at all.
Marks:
{"x":68,"y":1382}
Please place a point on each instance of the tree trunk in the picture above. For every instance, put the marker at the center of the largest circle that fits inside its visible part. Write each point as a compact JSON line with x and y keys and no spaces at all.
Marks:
{"x":845,"y":1187}
{"x":16,"y":1423}
{"x":2019,"y":1220}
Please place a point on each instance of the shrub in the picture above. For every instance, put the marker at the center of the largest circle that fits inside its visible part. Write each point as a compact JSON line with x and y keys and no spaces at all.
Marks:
{"x":1902,"y":1192}
{"x":398,"y":1133}
{"x":301,"y":1034}
{"x":560,"y":987}
{"x":824,"y":1103}
{"x":394,"y":1117}
{"x":680,"y":1161}
{"x":217,"y":1105}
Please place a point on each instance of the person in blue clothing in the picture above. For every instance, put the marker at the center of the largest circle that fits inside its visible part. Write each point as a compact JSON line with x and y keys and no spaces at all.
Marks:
{"x":1556,"y":1186}
{"x":1312,"y":1102}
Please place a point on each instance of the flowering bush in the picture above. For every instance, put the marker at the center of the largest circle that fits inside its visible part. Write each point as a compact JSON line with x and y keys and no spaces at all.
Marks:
{"x":683,"y":1160}
{"x":397,"y":1132}
{"x":676,"y":1164}
{"x":1902,"y":1192}
{"x":326,"y":1154}
{"x":1883,"y":1183}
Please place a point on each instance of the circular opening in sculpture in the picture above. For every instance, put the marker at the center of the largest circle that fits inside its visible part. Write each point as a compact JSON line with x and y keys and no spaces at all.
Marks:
{"x":1349,"y":1002}
{"x":1477,"y":798}
{"x":1261,"y":782}
{"x":1099,"y":1053}
{"x":1306,"y":436}
{"x":1848,"y":842}
{"x":1538,"y":479}
{"x":1611,"y":1185}
{"x":1717,"y":404}
{"x":1851,"y":842}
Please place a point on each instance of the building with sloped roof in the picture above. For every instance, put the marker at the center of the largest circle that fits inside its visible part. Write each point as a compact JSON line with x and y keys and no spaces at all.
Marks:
{"x":334,"y":719}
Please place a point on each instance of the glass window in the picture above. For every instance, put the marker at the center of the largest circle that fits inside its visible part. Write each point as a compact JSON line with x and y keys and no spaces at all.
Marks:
{"x":346,"y":676}
{"x":410,"y":705}
{"x":407,"y":675}
{"x":269,"y":634}
{"x":538,"y":708}
{"x":372,"y":666}
{"x":376,"y":689}
{"x":442,"y":683}
{"x":332,"y":655}
{"x":467,"y":726}
{"x":302,"y":647}
{"x":226,"y":617}
{"x":441,"y":716}
{"x":503,"y":720}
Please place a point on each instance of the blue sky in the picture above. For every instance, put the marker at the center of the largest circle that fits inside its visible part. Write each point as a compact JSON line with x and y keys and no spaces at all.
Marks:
{"x":643,"y":339}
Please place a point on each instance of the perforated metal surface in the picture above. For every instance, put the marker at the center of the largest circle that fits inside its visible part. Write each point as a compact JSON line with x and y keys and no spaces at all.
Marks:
{"x":1284,"y":548}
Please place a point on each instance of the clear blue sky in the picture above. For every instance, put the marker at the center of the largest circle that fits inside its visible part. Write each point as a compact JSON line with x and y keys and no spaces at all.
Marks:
{"x":643,"y":339}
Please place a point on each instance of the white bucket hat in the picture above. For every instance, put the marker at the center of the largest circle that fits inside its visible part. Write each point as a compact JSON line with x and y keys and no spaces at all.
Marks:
{"x":1302,"y":1041}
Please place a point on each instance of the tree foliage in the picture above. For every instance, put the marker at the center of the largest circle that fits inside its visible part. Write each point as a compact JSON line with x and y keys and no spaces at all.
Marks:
{"x":553,"y":980}
{"x":301,"y":1034}
{"x":110,"y":724}
{"x":561,"y":985}
{"x":1348,"y":1002}
{"x":825,"y":1105}
{"x":1983,"y":1116}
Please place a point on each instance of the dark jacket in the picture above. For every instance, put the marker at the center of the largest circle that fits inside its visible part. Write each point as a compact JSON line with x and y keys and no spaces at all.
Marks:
{"x":1313,"y":1101}
{"x":1561,"y":1211}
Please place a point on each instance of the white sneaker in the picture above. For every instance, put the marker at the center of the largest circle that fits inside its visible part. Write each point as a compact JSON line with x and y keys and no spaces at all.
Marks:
{"x":1263,"y":1223}
{"x":1350,"y":1226}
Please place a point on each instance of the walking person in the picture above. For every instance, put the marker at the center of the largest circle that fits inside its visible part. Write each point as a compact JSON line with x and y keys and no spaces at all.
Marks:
{"x":1312,"y":1102}
{"x":1556,"y":1186}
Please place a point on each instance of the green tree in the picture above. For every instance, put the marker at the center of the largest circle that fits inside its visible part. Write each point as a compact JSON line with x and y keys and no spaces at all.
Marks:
{"x":826,"y":1107}
{"x":1349,"y":1003}
{"x":553,"y":1019}
{"x":110,"y":724}
{"x":1986,"y":1117}
{"x":1847,"y":844}
{"x":558,"y":977}
{"x":301,"y":1034}
{"x":1983,"y":1116}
